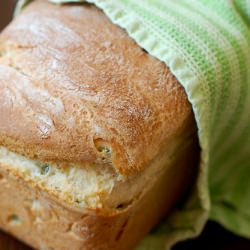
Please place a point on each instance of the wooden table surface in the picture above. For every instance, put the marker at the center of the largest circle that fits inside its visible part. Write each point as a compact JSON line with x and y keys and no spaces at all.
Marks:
{"x":213,"y":237}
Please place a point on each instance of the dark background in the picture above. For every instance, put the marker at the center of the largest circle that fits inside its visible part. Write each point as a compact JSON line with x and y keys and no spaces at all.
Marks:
{"x":214,"y":237}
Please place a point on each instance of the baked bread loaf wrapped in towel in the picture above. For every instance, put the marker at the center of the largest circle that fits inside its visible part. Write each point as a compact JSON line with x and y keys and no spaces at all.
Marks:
{"x":97,"y":137}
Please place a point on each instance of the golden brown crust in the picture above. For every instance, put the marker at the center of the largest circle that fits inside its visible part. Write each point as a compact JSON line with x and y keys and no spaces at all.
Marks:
{"x":74,"y":86}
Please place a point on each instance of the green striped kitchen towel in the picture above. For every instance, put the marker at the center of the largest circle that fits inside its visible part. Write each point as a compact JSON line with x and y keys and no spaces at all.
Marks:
{"x":206,"y":44}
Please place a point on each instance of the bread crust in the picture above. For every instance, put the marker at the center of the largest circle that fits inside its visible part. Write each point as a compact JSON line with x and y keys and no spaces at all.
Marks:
{"x":76,"y":89}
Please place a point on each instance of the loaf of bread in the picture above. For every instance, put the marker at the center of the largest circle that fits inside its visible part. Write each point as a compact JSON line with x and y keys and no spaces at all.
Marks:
{"x":97,"y":138}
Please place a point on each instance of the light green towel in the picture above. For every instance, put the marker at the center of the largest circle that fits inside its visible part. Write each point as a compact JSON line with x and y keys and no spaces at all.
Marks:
{"x":206,"y":44}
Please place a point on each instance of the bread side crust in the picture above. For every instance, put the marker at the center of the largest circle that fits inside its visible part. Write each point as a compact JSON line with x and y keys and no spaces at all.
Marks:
{"x":76,"y":89}
{"x":44,"y":223}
